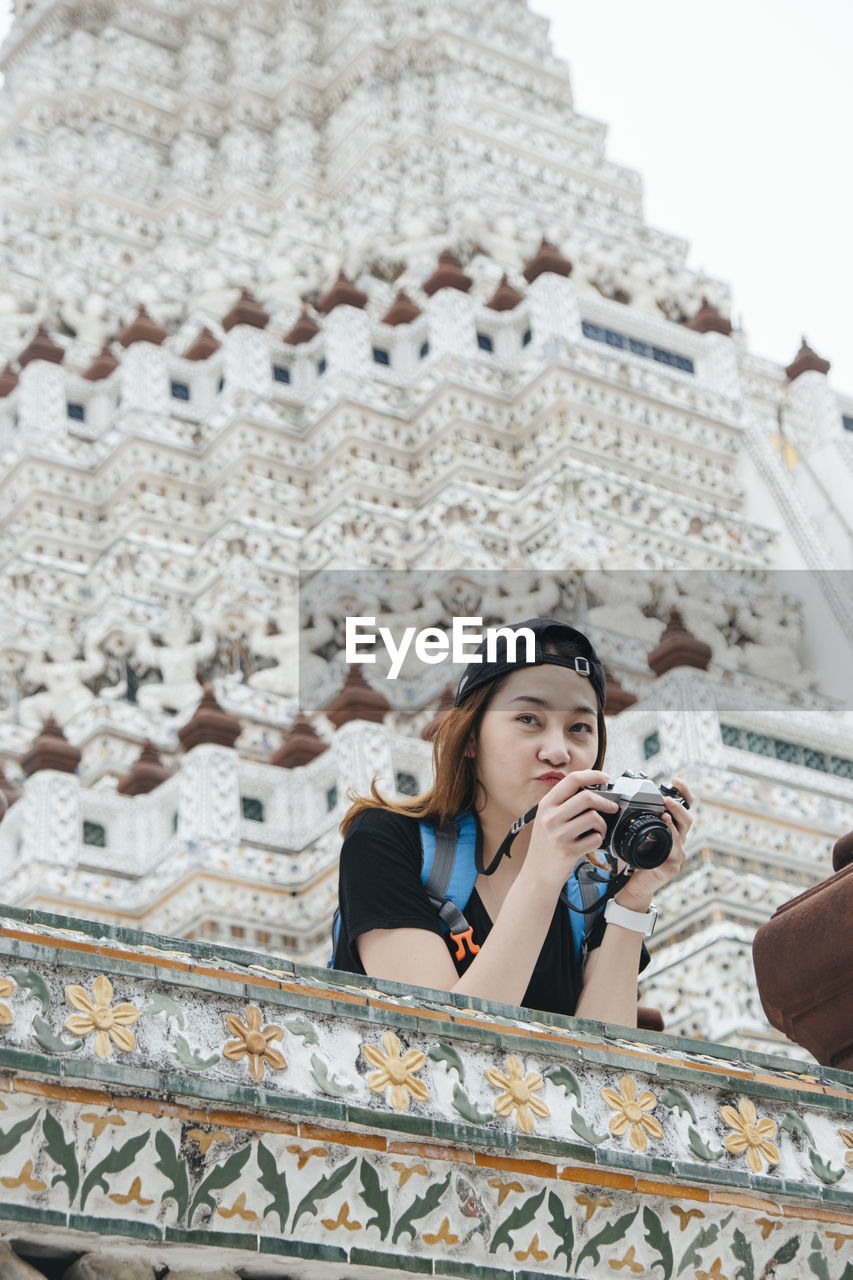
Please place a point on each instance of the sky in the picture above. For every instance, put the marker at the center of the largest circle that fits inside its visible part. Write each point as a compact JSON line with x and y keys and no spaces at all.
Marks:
{"x":737,"y":114}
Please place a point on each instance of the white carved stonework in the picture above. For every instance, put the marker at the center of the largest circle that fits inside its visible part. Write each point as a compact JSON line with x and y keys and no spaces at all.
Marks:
{"x":605,"y":462}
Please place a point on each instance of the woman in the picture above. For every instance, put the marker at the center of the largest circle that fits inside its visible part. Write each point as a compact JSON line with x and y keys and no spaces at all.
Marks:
{"x":522,"y":733}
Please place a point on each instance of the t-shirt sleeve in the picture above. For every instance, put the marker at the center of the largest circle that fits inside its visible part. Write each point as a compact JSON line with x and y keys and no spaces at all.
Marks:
{"x":380,"y":877}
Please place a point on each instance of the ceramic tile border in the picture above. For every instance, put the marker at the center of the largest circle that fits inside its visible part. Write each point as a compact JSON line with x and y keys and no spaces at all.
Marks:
{"x":135,"y":1172}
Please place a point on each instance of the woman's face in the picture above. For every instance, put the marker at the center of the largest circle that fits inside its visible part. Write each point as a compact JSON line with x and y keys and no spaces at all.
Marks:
{"x":541,"y":724}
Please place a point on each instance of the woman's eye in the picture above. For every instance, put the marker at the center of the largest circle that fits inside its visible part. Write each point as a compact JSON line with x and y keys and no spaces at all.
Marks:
{"x":527,"y":717}
{"x":582,"y":727}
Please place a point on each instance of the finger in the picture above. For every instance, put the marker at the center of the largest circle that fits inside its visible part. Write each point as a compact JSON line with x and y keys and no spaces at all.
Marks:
{"x":683,"y":789}
{"x":583,"y":825}
{"x":678,"y":815}
{"x":574,"y":782}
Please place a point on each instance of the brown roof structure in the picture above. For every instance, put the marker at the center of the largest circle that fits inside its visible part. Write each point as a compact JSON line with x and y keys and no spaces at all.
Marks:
{"x":547,"y":258}
{"x":246,"y":310}
{"x":402,"y":310}
{"x":806,"y":361}
{"x":343,"y":293}
{"x":146,"y":773}
{"x":142,"y":329}
{"x":447,"y":275}
{"x":209,"y":723}
{"x":678,"y":647}
{"x":41,"y":347}
{"x":102,"y":366}
{"x":202,"y":346}
{"x":505,"y":297}
{"x":303,"y":331}
{"x":50,"y":749}
{"x":709,"y":320}
{"x":357,"y":701}
{"x":302,"y":744}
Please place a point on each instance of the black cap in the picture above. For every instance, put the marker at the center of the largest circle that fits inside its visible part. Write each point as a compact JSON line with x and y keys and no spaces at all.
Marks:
{"x":545,"y":632}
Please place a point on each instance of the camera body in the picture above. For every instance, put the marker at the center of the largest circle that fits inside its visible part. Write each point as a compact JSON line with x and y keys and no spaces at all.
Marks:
{"x":636,"y":833}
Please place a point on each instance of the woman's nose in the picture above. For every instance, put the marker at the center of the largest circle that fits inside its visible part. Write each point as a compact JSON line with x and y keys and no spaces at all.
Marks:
{"x":554,"y":749}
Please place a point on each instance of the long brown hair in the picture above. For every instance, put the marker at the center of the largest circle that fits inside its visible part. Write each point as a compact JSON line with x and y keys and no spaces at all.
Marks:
{"x":455,"y":784}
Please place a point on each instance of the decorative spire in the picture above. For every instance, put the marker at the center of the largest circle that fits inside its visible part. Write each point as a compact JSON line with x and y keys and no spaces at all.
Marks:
{"x":41,"y":347}
{"x":447,"y":275}
{"x":357,"y":701}
{"x":210,"y":723}
{"x":505,"y":297}
{"x":343,"y":293}
{"x":445,"y":703}
{"x":806,"y":360}
{"x":246,"y":310}
{"x":142,"y":329}
{"x":203,"y":346}
{"x":303,"y":331}
{"x":678,"y":647}
{"x":146,"y":773}
{"x":102,"y":366}
{"x":8,"y":380}
{"x":616,"y":698}
{"x":709,"y":320}
{"x":302,"y":744}
{"x":50,"y":749}
{"x":547,"y":258}
{"x":402,"y":310}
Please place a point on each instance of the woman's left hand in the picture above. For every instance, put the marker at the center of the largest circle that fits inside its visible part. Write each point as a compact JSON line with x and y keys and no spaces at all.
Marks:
{"x":637,"y":894}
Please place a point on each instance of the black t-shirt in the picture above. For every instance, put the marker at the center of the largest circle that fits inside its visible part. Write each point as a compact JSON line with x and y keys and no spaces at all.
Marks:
{"x":380,"y":888}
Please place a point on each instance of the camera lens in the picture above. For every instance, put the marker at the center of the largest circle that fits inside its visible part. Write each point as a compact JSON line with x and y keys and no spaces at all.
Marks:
{"x":643,"y":841}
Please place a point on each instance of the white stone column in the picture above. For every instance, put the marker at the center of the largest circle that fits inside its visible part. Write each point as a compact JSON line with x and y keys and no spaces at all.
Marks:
{"x":144,"y":378}
{"x":554,"y":311}
{"x":209,"y":795}
{"x":247,"y":362}
{"x":50,"y":819}
{"x":452,"y":324}
{"x":41,"y":397}
{"x":348,"y":341}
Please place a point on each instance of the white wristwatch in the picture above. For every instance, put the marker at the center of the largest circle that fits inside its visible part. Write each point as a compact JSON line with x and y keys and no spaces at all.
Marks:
{"x":639,"y":921}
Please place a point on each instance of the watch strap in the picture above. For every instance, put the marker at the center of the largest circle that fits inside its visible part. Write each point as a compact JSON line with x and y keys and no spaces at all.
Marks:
{"x":638,"y":921}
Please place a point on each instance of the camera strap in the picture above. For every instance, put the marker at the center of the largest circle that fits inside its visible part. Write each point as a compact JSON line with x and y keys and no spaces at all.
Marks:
{"x":615,"y":881}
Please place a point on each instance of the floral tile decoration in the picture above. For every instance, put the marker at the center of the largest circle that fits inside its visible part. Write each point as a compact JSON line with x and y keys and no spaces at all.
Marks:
{"x":201,"y":1096}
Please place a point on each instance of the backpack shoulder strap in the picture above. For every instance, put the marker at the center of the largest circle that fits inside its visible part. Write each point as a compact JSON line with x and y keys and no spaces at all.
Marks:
{"x":584,"y":890}
{"x":449,"y":872}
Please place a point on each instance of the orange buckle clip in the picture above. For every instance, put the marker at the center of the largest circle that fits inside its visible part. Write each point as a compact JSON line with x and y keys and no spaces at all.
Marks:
{"x":461,"y":938}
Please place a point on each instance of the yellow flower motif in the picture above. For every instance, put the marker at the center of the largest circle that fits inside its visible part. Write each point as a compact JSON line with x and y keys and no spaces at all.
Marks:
{"x":518,"y":1095}
{"x":7,"y":986}
{"x":254,"y":1040}
{"x":632,"y":1113}
{"x":396,"y":1070}
{"x":109,"y":1025}
{"x":750,"y":1135}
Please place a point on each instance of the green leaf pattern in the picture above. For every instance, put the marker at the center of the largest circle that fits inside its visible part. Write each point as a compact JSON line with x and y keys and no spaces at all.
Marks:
{"x":276,"y":1184}
{"x":560,"y":1227}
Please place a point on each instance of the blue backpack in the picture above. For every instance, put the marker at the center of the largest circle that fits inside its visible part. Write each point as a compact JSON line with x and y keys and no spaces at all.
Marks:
{"x":449,"y":872}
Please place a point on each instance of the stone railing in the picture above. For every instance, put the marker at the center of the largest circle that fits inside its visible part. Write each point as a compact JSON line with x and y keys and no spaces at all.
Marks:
{"x":190,"y":1106}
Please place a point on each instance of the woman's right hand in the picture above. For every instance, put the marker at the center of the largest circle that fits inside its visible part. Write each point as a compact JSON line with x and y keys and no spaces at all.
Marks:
{"x":569,"y":825}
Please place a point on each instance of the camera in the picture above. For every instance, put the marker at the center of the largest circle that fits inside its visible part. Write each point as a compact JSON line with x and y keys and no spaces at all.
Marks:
{"x":636,"y":833}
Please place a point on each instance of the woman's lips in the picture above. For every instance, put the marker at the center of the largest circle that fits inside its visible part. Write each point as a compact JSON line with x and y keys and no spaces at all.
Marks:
{"x":551,"y":778}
